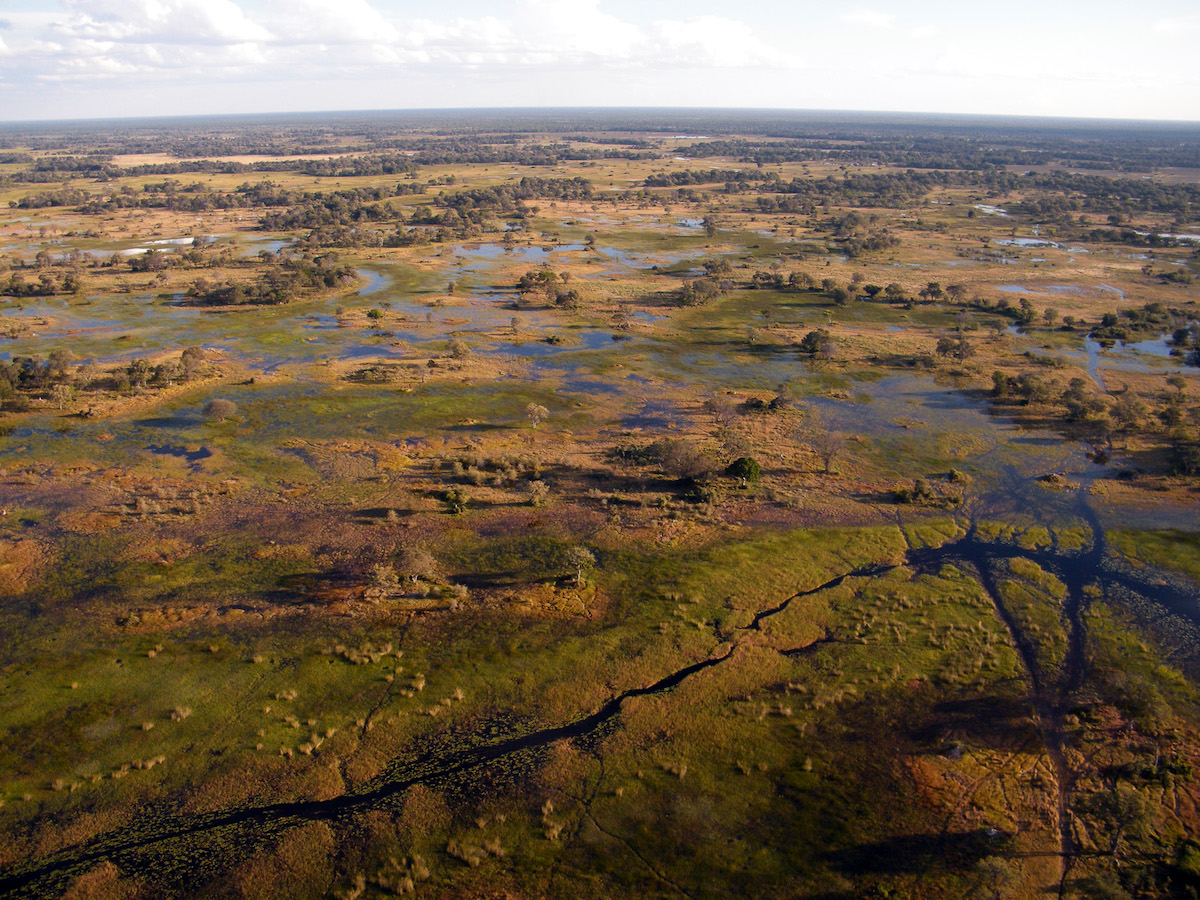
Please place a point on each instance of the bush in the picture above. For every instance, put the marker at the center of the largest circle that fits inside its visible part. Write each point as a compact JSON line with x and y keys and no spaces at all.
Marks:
{"x":745,"y":468}
{"x":219,"y":409}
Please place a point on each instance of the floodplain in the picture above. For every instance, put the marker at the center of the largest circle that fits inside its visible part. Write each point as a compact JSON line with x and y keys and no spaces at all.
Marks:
{"x":404,"y":505}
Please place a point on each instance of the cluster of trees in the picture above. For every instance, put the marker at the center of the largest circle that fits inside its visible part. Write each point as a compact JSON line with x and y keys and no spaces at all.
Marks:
{"x":48,"y":284}
{"x":361,"y":218}
{"x":506,"y":198}
{"x":57,"y":378}
{"x":1151,"y":318}
{"x":688,"y":177}
{"x":1079,"y":404}
{"x":461,"y":151}
{"x":552,"y":287}
{"x":698,"y":291}
{"x":286,"y":280}
{"x":350,"y":207}
{"x":1048,"y":194}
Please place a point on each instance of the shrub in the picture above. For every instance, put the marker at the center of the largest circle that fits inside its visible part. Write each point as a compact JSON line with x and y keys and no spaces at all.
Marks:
{"x":218,"y":409}
{"x":745,"y":468}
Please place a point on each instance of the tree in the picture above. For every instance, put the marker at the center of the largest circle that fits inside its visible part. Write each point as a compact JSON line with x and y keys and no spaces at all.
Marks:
{"x":745,"y":468}
{"x":828,"y":445}
{"x":784,"y":397}
{"x":682,"y":460}
{"x":995,"y":873}
{"x":62,"y":394}
{"x":219,"y":409}
{"x":417,"y":563}
{"x":813,"y":342}
{"x":959,"y":349}
{"x":138,"y":372}
{"x":536,"y":414}
{"x":724,"y":409}
{"x":190,"y":359}
{"x":60,"y":360}
{"x":801,"y":281}
{"x":1129,"y":412}
{"x":1123,"y":809}
{"x":580,"y":558}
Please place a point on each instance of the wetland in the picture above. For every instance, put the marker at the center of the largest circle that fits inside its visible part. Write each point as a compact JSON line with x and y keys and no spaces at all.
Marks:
{"x":593,"y":511}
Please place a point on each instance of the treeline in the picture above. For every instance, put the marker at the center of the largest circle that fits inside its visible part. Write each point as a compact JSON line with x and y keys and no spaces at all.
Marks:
{"x":460,"y":151}
{"x":887,"y":190}
{"x":171,"y":195}
{"x":405,"y":158}
{"x":102,"y":168}
{"x":710,"y":176}
{"x":1125,"y":150}
{"x":937,"y":142}
{"x":176,"y":196}
{"x":928,"y":153}
{"x":1064,"y":192}
{"x":336,"y":218}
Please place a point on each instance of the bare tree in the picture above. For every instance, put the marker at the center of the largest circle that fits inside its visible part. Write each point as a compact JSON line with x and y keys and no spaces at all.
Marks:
{"x":829,"y":446}
{"x":723,"y":408}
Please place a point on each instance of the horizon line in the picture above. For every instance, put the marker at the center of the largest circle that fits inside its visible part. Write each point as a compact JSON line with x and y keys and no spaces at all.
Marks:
{"x":908,"y":116}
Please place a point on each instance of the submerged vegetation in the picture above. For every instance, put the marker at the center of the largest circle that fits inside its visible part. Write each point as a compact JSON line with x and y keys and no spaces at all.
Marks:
{"x":566,"y":508}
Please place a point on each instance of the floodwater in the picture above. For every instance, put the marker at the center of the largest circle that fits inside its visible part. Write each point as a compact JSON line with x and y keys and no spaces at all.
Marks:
{"x":1025,"y":242}
{"x":910,"y":416}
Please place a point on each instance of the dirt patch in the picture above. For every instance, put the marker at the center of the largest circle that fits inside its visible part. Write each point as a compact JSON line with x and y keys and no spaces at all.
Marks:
{"x":22,"y":562}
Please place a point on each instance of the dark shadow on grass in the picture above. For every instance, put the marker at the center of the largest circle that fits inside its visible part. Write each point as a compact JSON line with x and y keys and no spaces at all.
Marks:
{"x":912,"y":853}
{"x":380,"y":514}
{"x":991,"y":720}
{"x":176,"y":421}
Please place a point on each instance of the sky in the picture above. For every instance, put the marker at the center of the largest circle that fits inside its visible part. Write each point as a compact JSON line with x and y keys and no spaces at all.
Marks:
{"x":62,"y":59}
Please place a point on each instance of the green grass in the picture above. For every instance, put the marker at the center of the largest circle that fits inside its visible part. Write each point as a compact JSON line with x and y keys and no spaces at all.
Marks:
{"x":1176,"y":550}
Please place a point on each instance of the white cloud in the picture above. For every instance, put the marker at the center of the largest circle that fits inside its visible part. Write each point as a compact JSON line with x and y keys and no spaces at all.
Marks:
{"x":865,"y":18}
{"x":570,"y":29}
{"x":710,"y":41}
{"x":330,"y":22}
{"x":312,"y":39}
{"x":1182,"y":24}
{"x":160,"y":21}
{"x":209,"y":55}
